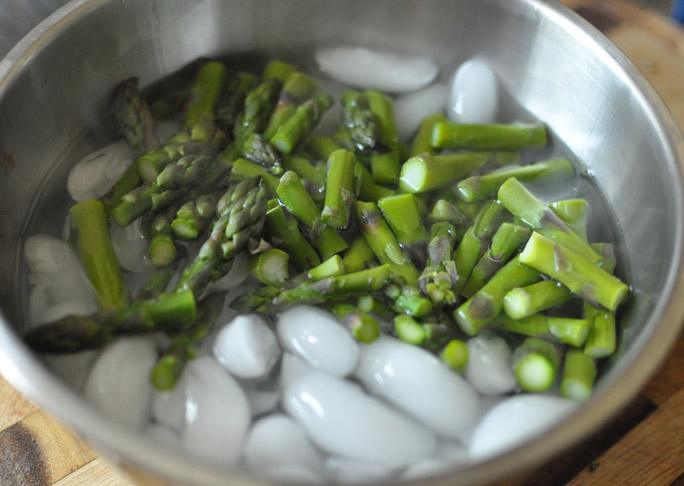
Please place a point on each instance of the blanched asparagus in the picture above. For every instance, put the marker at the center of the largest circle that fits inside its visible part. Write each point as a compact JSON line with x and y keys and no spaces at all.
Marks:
{"x":488,"y":137}
{"x":134,"y":117}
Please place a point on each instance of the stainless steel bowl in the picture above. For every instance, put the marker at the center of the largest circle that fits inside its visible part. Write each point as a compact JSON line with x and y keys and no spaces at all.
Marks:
{"x":56,"y":84}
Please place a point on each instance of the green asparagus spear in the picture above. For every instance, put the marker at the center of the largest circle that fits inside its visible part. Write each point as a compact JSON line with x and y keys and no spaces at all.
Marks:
{"x":402,"y":215}
{"x":205,"y":94}
{"x":332,"y":267}
{"x":488,"y":137}
{"x":361,"y":125}
{"x":193,"y":216}
{"x":315,"y":173}
{"x":258,"y":107}
{"x":422,"y":142}
{"x":382,"y":241}
{"x":245,"y":169}
{"x":295,"y":130}
{"x":270,"y":267}
{"x":426,"y":172}
{"x":162,"y":249}
{"x":487,"y":185}
{"x":358,"y":256}
{"x":134,"y":117}
{"x":504,"y":243}
{"x":296,"y":199}
{"x":278,"y":71}
{"x":579,"y":274}
{"x":362,"y":326}
{"x":487,"y":303}
{"x":564,"y":330}
{"x":579,"y":373}
{"x":444,"y":210}
{"x":259,"y":150}
{"x":368,"y":189}
{"x":297,"y":88}
{"x":536,"y":363}
{"x":537,"y":215}
{"x":90,"y":229}
{"x":339,"y":189}
{"x":75,"y":333}
{"x":170,"y":365}
{"x":384,"y":163}
{"x":284,"y":233}
{"x":455,"y":355}
{"x":408,"y":330}
{"x":573,"y":212}
{"x":524,"y":301}
{"x":241,"y":213}
{"x":232,"y":100}
{"x":602,"y":338}
{"x":440,"y":275}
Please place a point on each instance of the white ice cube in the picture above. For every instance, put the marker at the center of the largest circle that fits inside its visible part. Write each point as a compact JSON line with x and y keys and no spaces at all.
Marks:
{"x":96,"y":173}
{"x":247,"y":347}
{"x":343,"y":420}
{"x":489,"y":364}
{"x":474,"y":94}
{"x":119,"y":383}
{"x":318,"y":337}
{"x":417,"y":382}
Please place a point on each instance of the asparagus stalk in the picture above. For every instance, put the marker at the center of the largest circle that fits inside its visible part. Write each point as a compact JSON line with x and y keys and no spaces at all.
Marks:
{"x":565,"y":330}
{"x":444,"y":210}
{"x":268,"y":300}
{"x":488,"y":137}
{"x":361,"y":125}
{"x":134,"y":117}
{"x":602,"y":338}
{"x":362,"y":326}
{"x":232,"y":100}
{"x":314,"y":173}
{"x":244,"y":169}
{"x":536,"y":363}
{"x":525,"y":301}
{"x":258,"y":107}
{"x":439,"y":277}
{"x":422,"y":142}
{"x":162,"y":249}
{"x":475,"y":313}
{"x":241,"y":212}
{"x":296,"y":199}
{"x":409,"y":300}
{"x":284,"y":233}
{"x":339,"y":189}
{"x":455,"y":355}
{"x":368,"y":189}
{"x":332,"y":267}
{"x":409,"y":330}
{"x":573,"y":212}
{"x":259,"y":150}
{"x":301,"y":123}
{"x":91,"y":232}
{"x":271,"y":267}
{"x":579,"y":374}
{"x":382,"y":241}
{"x":384,"y":163}
{"x":573,"y":270}
{"x":173,"y":182}
{"x":205,"y":94}
{"x":426,"y":172}
{"x":402,"y":215}
{"x":193,"y":216}
{"x":75,"y":333}
{"x":358,"y":256}
{"x":484,"y":186}
{"x":297,"y":88}
{"x":537,"y":215}
{"x":322,"y":147}
{"x":278,"y":71}
{"x":170,"y":365}
{"x":504,"y":243}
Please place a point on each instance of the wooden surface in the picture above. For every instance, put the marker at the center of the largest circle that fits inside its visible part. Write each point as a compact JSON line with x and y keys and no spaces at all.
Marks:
{"x":644,"y":446}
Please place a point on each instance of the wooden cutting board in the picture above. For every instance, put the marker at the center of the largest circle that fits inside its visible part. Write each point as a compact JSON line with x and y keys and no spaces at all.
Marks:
{"x":643,"y":446}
